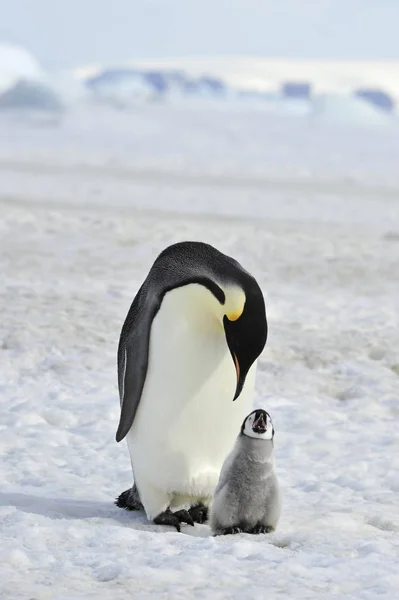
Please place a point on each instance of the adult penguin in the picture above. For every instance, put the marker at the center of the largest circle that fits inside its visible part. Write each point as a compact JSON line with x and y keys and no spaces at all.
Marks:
{"x":186,"y":368}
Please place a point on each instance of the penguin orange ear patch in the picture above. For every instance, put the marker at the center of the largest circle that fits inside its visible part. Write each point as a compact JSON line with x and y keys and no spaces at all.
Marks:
{"x":233,"y":316}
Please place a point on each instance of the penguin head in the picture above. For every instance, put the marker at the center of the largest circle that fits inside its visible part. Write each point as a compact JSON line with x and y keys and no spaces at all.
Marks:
{"x":224,"y":290}
{"x":245,"y":326}
{"x":240,"y":309}
{"x":258,"y":425}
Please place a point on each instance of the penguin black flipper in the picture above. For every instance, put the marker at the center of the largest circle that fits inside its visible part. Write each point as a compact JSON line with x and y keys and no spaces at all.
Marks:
{"x":133,"y":356}
{"x":175,"y":266}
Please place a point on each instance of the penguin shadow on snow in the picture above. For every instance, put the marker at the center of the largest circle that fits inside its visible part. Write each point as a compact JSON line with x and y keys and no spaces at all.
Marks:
{"x":105,"y":512}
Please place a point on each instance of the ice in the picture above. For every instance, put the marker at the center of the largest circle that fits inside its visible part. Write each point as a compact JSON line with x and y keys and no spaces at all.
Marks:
{"x":267,"y":74}
{"x":25,"y":95}
{"x":312,"y":211}
{"x":328,"y":91}
{"x":125,"y":87}
{"x":348,"y":110}
{"x":17,"y":63}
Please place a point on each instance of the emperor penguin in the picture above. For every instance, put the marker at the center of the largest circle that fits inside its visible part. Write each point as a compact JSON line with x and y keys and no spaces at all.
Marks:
{"x":186,"y":366}
{"x":247,"y":497}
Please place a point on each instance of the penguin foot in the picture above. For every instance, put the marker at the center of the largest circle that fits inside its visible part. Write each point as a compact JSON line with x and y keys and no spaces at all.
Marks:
{"x":199,"y":513}
{"x":184,"y":517}
{"x":130,"y":500}
{"x":229,"y":531}
{"x":174,"y":519}
{"x":262,"y":529}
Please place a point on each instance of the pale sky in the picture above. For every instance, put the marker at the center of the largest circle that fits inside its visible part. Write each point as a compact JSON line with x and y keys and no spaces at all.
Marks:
{"x":68,"y":33}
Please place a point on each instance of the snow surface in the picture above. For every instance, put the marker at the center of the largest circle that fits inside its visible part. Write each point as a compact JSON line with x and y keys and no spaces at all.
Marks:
{"x":312,"y":212}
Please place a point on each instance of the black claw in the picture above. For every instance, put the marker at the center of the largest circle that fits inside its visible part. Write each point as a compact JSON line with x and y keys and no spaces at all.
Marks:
{"x":184,"y":517}
{"x":174,"y":519}
{"x":262,"y":529}
{"x":130,"y":500}
{"x":199,"y":513}
{"x":168,"y":518}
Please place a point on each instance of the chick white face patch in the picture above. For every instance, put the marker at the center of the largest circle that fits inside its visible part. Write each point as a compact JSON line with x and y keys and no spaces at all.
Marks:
{"x":259,"y":425}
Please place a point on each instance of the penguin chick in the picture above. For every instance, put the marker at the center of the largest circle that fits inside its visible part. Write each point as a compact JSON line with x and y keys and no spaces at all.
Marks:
{"x":247,"y":496}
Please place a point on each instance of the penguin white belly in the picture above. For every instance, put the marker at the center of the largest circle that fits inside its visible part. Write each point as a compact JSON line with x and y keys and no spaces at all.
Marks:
{"x":186,"y":422}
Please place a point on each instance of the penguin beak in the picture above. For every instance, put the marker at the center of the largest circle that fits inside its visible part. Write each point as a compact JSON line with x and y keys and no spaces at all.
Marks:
{"x":241,"y":369}
{"x":259,"y":425}
{"x":240,"y":380}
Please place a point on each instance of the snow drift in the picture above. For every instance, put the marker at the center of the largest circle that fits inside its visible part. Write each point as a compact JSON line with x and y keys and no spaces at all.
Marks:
{"x":124,"y":86}
{"x":24,"y":86}
{"x":16,"y":64}
{"x":30,"y":95}
{"x":348,"y":110}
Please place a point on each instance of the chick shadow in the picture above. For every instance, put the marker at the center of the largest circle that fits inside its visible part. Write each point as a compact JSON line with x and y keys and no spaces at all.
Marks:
{"x":95,"y":512}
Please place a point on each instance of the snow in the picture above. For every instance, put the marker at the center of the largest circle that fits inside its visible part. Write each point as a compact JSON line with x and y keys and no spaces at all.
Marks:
{"x":17,"y":63}
{"x":312,"y":212}
{"x":335,"y":108}
{"x":269,"y":74}
{"x":362,"y":93}
{"x":26,"y":95}
{"x":329,"y":90}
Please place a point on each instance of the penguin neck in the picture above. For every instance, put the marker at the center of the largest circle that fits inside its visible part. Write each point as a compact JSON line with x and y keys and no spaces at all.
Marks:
{"x":257,"y":450}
